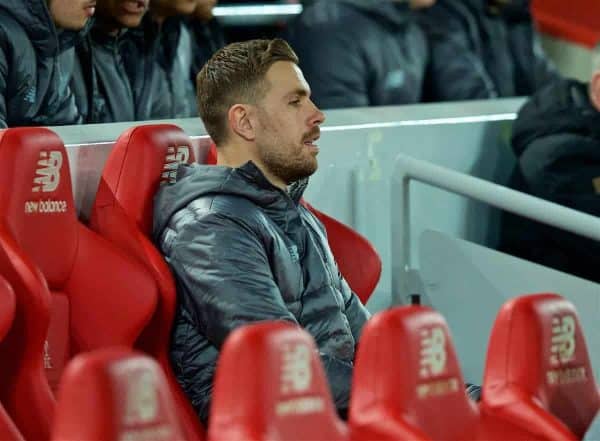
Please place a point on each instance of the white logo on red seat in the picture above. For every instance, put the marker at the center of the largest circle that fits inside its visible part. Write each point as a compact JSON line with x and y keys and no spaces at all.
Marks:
{"x":563,"y":339}
{"x":47,"y":357}
{"x":47,"y":175}
{"x":296,"y":372}
{"x":175,"y":156}
{"x":433,"y":352}
{"x":142,"y":399}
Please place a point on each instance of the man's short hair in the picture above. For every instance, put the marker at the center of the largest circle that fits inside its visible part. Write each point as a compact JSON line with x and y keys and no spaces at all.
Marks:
{"x":236,"y":74}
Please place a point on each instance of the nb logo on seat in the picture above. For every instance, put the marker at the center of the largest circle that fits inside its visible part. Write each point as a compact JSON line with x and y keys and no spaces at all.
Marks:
{"x":563,"y":339}
{"x":433,"y":352}
{"x":296,"y":373}
{"x":142,"y":400}
{"x":47,"y":175}
{"x":175,"y":156}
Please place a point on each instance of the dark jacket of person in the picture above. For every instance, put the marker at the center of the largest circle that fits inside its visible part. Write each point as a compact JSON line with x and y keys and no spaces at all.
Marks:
{"x":159,"y":61}
{"x":556,"y":139}
{"x":100,"y":82}
{"x":244,"y":251}
{"x":207,"y":38}
{"x":360,"y":52}
{"x":479,"y":53}
{"x":35,"y":59}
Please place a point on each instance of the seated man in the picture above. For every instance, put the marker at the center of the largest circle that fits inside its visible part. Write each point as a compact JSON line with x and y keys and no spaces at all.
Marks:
{"x":483,"y":49}
{"x":556,"y":139}
{"x":36,"y":54}
{"x":100,"y":83}
{"x":241,"y":246}
{"x":358,"y":53}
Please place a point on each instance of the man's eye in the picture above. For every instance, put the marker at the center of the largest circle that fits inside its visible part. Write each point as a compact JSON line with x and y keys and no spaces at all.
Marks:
{"x":295,"y":102}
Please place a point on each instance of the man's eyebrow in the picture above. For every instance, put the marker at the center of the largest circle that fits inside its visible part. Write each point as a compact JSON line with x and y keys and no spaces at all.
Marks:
{"x":300,"y":92}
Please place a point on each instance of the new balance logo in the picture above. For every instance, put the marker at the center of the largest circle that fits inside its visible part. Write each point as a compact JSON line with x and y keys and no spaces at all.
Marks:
{"x":175,"y":157}
{"x":47,"y":175}
{"x":563,"y":339}
{"x":296,"y":375}
{"x":47,"y":358}
{"x":142,"y":400}
{"x":433,"y":352}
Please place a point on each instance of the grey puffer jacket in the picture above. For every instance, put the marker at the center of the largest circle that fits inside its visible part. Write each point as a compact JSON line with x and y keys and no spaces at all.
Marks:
{"x":35,"y":61}
{"x":244,"y":251}
{"x":357,"y":53}
{"x":478,"y":52}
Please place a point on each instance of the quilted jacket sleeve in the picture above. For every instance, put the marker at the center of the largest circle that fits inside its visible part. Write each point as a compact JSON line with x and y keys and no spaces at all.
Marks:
{"x":3,"y":89}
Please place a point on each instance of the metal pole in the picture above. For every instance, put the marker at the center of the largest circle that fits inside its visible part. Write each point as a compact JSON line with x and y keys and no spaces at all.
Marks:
{"x":407,"y":168}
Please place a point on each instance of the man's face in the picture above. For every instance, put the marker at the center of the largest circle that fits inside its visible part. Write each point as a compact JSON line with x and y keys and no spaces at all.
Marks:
{"x":204,"y":9}
{"x":71,"y":14}
{"x":419,"y":4}
{"x":125,"y":13}
{"x":288,"y":124}
{"x":175,"y":7}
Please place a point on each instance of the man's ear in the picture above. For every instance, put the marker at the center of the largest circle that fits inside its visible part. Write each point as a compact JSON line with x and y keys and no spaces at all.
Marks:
{"x":241,"y":122}
{"x":595,"y":90}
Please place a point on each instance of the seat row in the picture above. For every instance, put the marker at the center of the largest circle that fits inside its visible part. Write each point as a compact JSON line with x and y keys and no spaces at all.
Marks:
{"x":407,"y":384}
{"x":78,"y":288}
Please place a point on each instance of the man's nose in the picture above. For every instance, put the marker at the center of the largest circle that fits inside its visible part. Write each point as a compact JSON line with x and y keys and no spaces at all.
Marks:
{"x":318,"y":117}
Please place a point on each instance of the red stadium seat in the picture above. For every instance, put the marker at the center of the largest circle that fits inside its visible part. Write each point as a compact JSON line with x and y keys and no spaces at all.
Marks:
{"x":357,"y":260}
{"x":143,"y":158}
{"x":75,"y":291}
{"x":8,"y":430}
{"x":538,"y":372}
{"x":115,"y":394}
{"x":270,"y":385}
{"x":408,"y":384}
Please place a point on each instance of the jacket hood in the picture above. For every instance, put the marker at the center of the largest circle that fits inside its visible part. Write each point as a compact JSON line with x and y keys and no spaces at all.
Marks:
{"x":35,"y":18}
{"x":395,"y":12}
{"x":194,"y":181}
{"x":561,"y":107}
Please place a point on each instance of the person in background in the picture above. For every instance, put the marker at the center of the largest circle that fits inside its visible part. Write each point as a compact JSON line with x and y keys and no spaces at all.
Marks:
{"x":100,"y":82}
{"x":556,"y":139}
{"x":362,"y":52}
{"x":36,"y":55}
{"x":240,"y":244}
{"x":483,"y":49}
{"x":161,"y":48}
{"x":207,"y":35}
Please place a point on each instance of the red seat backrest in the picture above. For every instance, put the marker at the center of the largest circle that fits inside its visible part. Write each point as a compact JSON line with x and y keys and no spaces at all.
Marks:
{"x":408,"y":384}
{"x":577,"y":22}
{"x":142,"y":159}
{"x":75,"y":291}
{"x":8,"y":430}
{"x":115,"y":394}
{"x":538,"y":372}
{"x":270,"y":385}
{"x":357,"y":260}
{"x":406,"y":372}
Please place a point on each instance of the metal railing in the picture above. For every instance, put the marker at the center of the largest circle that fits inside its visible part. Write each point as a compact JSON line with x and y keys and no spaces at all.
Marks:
{"x":406,"y":169}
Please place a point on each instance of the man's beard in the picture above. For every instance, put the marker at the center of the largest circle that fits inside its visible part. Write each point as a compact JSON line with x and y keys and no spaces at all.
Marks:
{"x":289,"y":164}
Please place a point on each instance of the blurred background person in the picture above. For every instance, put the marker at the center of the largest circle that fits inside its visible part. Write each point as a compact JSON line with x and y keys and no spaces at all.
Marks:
{"x":161,"y":48}
{"x":483,"y":49}
{"x":207,"y":35}
{"x":36,"y":56}
{"x":100,"y":82}
{"x":556,"y":139}
{"x":361,"y":52}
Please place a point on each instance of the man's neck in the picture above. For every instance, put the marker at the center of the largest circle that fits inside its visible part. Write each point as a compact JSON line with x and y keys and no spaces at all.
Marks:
{"x":236,"y":156}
